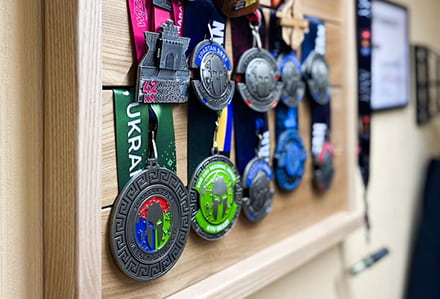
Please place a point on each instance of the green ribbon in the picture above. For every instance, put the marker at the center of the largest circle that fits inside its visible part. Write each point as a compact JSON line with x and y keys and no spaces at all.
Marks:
{"x":131,"y":123}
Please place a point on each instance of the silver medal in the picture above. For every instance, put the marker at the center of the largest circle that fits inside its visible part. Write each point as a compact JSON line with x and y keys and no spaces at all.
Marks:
{"x":261,"y":89}
{"x":317,"y":71}
{"x":163,"y":74}
{"x":256,"y":183}
{"x":293,"y":86}
{"x":213,"y":89}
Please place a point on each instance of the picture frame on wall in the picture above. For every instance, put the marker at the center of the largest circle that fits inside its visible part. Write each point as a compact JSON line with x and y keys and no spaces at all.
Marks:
{"x":390,"y":62}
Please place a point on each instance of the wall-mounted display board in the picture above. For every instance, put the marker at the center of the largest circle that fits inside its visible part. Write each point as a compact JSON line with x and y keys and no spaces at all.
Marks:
{"x":88,"y":53}
{"x":390,"y":56}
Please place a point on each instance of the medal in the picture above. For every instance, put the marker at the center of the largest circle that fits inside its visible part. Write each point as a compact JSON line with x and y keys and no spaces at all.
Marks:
{"x":289,"y":159}
{"x":149,"y":225}
{"x":211,"y":83}
{"x":316,"y":71}
{"x":163,"y":75}
{"x":215,"y":194}
{"x":257,"y":202}
{"x":293,"y":86}
{"x":257,"y":75}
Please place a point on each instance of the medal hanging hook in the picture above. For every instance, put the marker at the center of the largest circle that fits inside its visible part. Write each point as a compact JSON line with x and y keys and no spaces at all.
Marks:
{"x":152,"y":133}
{"x":254,"y":24}
{"x":211,"y":35}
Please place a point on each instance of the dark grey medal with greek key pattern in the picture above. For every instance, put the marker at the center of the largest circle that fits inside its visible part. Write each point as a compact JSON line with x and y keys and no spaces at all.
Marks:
{"x":150,"y":221}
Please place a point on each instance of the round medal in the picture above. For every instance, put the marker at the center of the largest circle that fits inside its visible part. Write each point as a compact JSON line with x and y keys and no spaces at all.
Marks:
{"x":215,"y":193}
{"x":258,"y":79}
{"x":213,"y":88}
{"x":324,"y":168}
{"x":290,"y":158}
{"x":149,"y":225}
{"x":293,"y":86}
{"x":317,"y":71}
{"x":256,"y":178}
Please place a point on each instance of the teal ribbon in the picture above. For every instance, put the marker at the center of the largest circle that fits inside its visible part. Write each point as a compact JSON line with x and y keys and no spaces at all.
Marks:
{"x":131,"y":123}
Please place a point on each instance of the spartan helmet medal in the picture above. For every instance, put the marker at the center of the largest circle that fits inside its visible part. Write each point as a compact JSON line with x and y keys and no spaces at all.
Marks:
{"x":215,"y":195}
{"x":316,"y":71}
{"x":256,"y":183}
{"x":212,"y":65}
{"x":149,"y":224}
{"x":258,"y":79}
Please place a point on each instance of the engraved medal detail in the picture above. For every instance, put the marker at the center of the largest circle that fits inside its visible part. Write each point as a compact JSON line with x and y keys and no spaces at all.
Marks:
{"x":317,"y":73}
{"x":215,"y":194}
{"x":258,"y":79}
{"x":163,"y":75}
{"x":150,"y":223}
{"x":290,"y":157}
{"x":213,"y":89}
{"x":256,"y":181}
{"x":293,"y":86}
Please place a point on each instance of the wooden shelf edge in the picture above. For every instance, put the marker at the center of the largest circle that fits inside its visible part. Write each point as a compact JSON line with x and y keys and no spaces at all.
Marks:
{"x":259,"y":270}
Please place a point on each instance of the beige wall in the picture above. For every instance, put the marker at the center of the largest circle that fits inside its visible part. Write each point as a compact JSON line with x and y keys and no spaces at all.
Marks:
{"x":400,"y":151}
{"x":21,"y":135}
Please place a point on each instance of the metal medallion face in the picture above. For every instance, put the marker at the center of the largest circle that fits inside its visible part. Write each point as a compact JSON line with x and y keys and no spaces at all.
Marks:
{"x":150,"y":223}
{"x":317,"y":71}
{"x":324,"y":168}
{"x":215,"y":193}
{"x":163,"y":75}
{"x":214,"y":89}
{"x":290,"y":157}
{"x":291,"y":76}
{"x":258,"y":79}
{"x":256,"y":181}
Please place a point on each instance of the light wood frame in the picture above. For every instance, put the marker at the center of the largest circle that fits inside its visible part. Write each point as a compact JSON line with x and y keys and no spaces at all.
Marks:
{"x":75,"y":73}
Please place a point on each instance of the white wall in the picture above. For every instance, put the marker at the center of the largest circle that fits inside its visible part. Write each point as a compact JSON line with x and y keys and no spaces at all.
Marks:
{"x":400,"y":152}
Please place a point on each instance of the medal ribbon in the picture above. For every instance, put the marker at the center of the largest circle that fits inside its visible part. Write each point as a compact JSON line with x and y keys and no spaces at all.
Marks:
{"x":286,"y":117}
{"x":248,"y":123}
{"x":315,"y":41}
{"x":201,"y":120}
{"x":364,"y":48}
{"x":132,"y":118}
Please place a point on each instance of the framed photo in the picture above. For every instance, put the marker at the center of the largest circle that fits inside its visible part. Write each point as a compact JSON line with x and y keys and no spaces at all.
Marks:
{"x":390,"y":56}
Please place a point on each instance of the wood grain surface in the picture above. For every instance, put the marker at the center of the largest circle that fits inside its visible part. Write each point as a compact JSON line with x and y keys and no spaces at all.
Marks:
{"x":21,"y":150}
{"x":72,"y":152}
{"x":313,"y":220}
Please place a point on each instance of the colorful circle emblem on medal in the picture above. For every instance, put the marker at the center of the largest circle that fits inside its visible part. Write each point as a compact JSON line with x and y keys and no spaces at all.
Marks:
{"x":215,"y":193}
{"x":290,"y":157}
{"x":258,"y":79}
{"x":213,"y":88}
{"x":317,"y":72}
{"x":293,"y":85}
{"x":149,"y":224}
{"x":256,"y":183}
